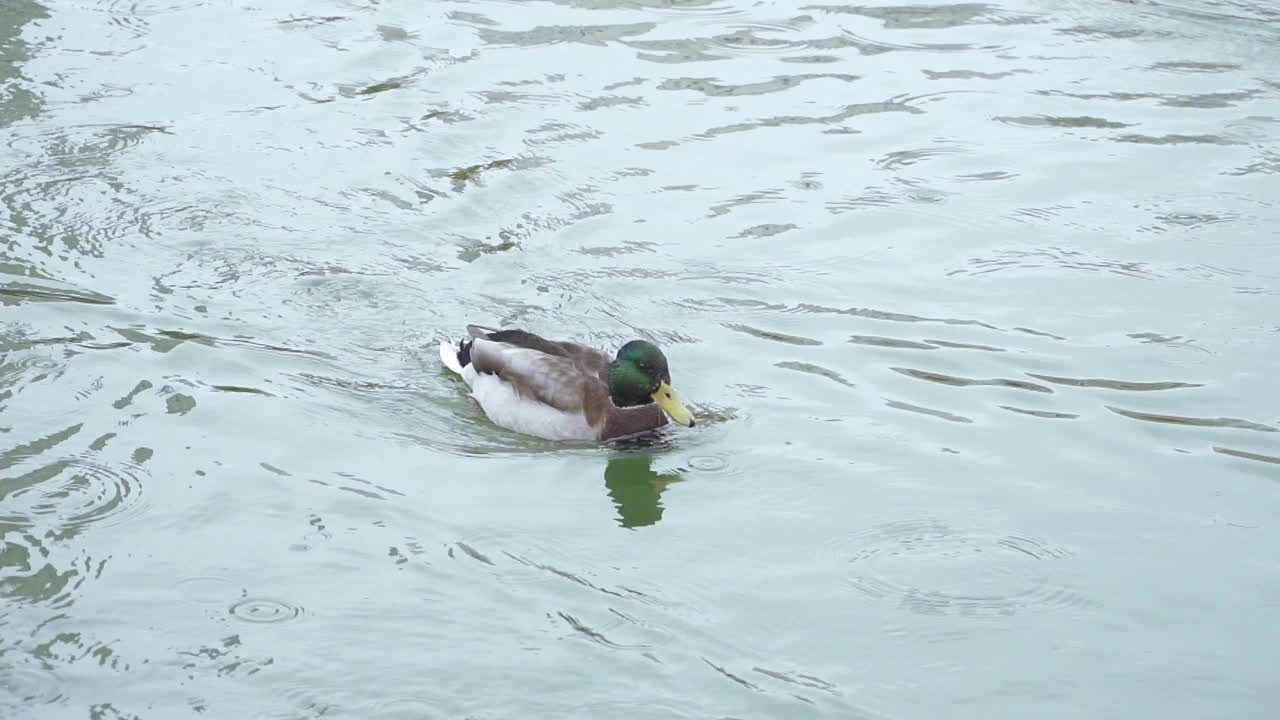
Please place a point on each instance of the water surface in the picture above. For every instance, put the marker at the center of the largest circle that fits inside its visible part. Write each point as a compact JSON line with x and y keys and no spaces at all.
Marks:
{"x":978,"y":304}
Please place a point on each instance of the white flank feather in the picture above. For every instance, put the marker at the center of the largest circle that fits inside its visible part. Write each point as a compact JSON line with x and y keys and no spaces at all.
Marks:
{"x":507,"y":408}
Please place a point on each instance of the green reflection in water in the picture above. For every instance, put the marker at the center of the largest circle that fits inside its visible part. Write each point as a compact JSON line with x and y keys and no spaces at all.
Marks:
{"x":19,"y":578}
{"x":636,"y":489}
{"x":16,"y":102}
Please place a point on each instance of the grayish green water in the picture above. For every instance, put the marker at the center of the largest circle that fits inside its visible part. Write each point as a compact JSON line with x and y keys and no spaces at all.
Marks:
{"x":978,"y":305}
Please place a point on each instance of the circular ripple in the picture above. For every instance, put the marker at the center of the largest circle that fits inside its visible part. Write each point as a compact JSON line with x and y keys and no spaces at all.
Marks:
{"x":932,"y":569}
{"x":205,"y":590}
{"x":71,"y":493}
{"x":264,"y":610}
{"x":709,"y":463}
{"x":708,"y":9}
{"x":415,"y":709}
{"x":757,"y":38}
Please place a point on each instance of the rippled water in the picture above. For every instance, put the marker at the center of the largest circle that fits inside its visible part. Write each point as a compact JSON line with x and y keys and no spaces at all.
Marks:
{"x":977,"y":304}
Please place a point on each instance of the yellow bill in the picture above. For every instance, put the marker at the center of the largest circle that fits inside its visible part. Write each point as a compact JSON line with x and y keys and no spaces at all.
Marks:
{"x":671,"y":405}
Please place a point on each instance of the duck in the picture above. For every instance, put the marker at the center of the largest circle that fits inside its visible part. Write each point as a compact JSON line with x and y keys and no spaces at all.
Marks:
{"x":561,"y":390}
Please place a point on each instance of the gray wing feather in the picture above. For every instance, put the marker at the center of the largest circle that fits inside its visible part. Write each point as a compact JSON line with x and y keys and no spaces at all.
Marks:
{"x":573,"y":383}
{"x":476,"y":331}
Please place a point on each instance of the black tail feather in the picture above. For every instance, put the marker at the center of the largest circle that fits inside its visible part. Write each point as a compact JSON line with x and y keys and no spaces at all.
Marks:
{"x":464,"y":352}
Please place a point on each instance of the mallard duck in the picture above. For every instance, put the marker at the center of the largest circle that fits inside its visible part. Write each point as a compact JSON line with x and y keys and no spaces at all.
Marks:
{"x":560,"y":390}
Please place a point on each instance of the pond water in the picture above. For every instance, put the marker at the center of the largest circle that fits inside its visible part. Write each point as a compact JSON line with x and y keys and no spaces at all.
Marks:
{"x":977,"y":305}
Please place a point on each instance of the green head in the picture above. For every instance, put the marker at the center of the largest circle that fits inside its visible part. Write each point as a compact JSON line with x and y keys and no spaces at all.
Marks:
{"x":639,"y":375}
